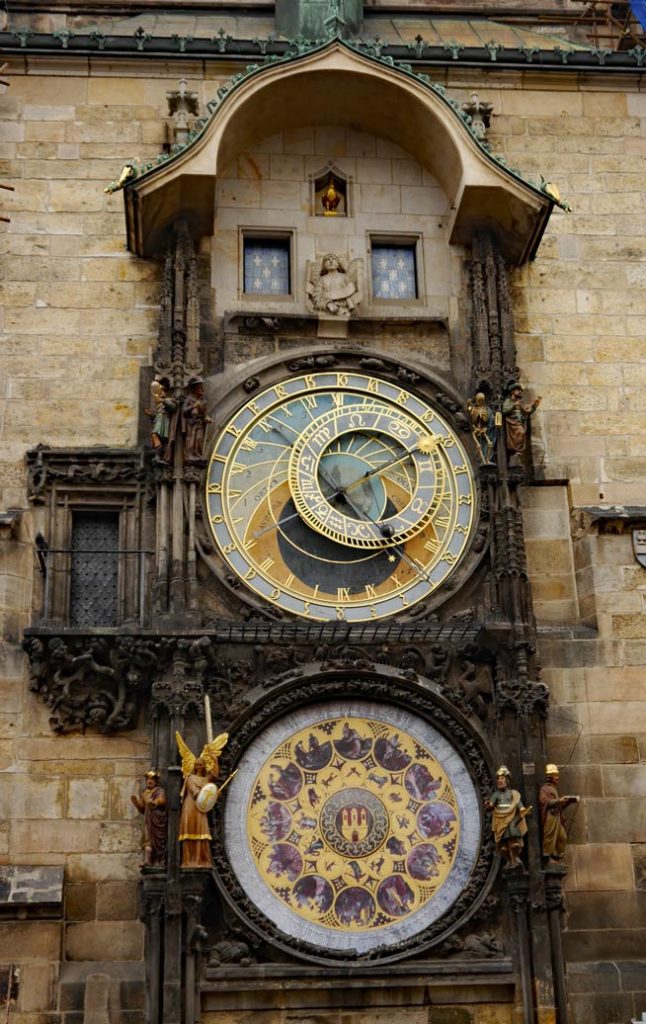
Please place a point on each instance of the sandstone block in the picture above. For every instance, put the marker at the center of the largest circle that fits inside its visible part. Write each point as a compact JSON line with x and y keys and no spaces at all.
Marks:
{"x":80,"y":902}
{"x":32,"y":940}
{"x":37,"y":987}
{"x":282,"y":195}
{"x":87,"y":798}
{"x":298,"y":140}
{"x":61,"y":836}
{"x":238,"y":192}
{"x":116,"y":91}
{"x":116,"y":901}
{"x":602,"y":867}
{"x":252,"y":165}
{"x":123,"y":940}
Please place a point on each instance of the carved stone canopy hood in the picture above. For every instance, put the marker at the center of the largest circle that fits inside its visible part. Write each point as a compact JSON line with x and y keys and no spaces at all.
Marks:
{"x":336,"y":83}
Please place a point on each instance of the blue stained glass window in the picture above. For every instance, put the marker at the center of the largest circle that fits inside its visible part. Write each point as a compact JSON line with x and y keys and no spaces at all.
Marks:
{"x":394,"y":275}
{"x":266,"y":266}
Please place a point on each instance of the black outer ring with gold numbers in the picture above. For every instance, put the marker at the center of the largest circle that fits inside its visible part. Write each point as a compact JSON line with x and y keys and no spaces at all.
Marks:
{"x":268,"y":542}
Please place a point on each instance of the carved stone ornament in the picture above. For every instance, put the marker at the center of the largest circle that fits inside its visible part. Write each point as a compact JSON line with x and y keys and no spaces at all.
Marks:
{"x":94,"y":466}
{"x":334,"y":287}
{"x":639,"y":546}
{"x":394,"y":697}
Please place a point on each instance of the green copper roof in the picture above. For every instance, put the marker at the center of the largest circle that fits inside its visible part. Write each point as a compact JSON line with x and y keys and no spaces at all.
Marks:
{"x":300,"y":48}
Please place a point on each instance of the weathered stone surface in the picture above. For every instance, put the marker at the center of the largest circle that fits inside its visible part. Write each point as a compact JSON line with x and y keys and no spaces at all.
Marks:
{"x":92,"y":940}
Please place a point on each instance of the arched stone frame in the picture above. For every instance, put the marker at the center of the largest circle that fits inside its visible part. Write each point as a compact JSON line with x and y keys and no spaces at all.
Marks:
{"x":386,"y":100}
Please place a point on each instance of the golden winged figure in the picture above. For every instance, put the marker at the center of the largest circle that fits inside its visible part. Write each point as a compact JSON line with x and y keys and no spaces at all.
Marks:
{"x":199,"y":773}
{"x":210,"y":756}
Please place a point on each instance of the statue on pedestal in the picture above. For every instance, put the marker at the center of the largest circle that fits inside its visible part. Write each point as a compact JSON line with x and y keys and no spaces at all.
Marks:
{"x":508,"y":819}
{"x":551,"y":807}
{"x":484,"y":428}
{"x":199,"y":795}
{"x":151,"y":802}
{"x":516,"y":417}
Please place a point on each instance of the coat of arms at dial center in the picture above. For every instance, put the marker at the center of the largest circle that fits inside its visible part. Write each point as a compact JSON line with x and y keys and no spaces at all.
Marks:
{"x":355,"y":822}
{"x":340,"y":496}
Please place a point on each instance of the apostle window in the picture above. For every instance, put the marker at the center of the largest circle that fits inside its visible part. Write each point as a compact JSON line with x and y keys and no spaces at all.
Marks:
{"x":267,"y":265}
{"x":394,"y":270}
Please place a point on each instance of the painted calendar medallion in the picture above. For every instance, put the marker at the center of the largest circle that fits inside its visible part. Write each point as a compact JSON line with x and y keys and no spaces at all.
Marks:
{"x":352,"y":824}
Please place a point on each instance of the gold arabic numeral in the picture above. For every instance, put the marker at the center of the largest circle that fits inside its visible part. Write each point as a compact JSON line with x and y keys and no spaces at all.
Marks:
{"x":266,"y":565}
{"x":460,"y":528}
{"x":342,"y":593}
{"x":217,"y":519}
{"x":275,"y":594}
{"x":235,"y":431}
{"x":306,"y":607}
{"x":248,"y":444}
{"x":428,"y":416}
{"x":228,"y":549}
{"x":342,"y":380}
{"x":465,"y":499}
{"x":373,"y":385}
{"x":432,"y":545}
{"x":340,"y":613}
{"x":337,"y":398}
{"x":449,"y":558}
{"x":373,"y":612}
{"x":402,"y":398}
{"x":250,"y":573}
{"x":253,"y":407}
{"x":404,"y":600}
{"x":309,"y":401}
{"x":310,"y":381}
{"x":448,"y":442}
{"x":214,"y":489}
{"x":460,"y":469}
{"x":370,"y":590}
{"x":280,"y":391}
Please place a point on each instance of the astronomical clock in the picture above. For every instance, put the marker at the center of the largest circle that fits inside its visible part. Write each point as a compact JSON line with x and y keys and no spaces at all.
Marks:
{"x":354,"y":823}
{"x":340,"y":497}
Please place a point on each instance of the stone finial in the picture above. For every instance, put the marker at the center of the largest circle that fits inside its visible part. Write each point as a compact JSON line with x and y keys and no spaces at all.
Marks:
{"x":182,"y":105}
{"x":480,"y":114}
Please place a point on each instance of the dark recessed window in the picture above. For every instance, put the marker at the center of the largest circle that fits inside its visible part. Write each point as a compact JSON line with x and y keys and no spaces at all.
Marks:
{"x":394,"y":271}
{"x":267,"y":266}
{"x":94,"y":569}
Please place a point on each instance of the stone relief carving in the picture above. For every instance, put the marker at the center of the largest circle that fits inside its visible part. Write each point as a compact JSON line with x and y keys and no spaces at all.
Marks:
{"x":334,"y":288}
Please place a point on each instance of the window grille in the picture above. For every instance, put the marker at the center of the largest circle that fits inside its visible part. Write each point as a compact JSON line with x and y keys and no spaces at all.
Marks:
{"x":94,"y":569}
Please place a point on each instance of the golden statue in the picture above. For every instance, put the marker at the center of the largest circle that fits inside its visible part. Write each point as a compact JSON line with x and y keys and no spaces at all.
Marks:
{"x":199,"y":794}
{"x":330,"y":199}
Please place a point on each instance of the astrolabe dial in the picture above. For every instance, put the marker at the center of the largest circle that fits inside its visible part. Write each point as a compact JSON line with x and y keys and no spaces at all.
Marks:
{"x":340,"y":481}
{"x":340,"y":496}
{"x":354,"y":824}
